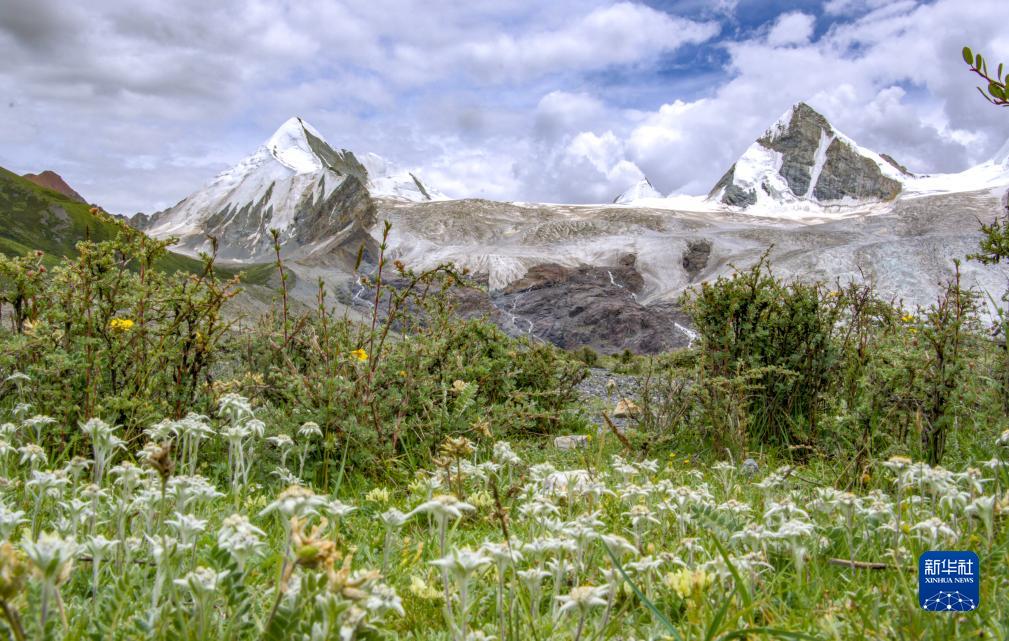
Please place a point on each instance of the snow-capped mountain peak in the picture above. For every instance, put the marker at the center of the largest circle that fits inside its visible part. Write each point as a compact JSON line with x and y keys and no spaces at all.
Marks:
{"x":296,"y":183}
{"x":290,"y":146}
{"x":639,"y":191}
{"x":802,"y":158}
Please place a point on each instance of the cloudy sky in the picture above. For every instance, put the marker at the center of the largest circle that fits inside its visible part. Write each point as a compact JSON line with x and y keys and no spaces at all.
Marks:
{"x":139,"y":103}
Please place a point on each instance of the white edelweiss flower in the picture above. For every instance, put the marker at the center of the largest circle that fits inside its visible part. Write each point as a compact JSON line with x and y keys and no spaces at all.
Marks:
{"x":37,"y":423}
{"x":393,"y":518}
{"x":47,"y":483}
{"x":195,"y":426}
{"x":337,"y":508}
{"x":462,"y":563}
{"x":295,"y":501}
{"x":187,"y":526}
{"x":201,"y":582}
{"x":285,"y":476}
{"x":9,"y":520}
{"x":501,"y":552}
{"x":583,"y":598}
{"x":256,"y":427}
{"x":382,"y":599}
{"x":240,"y":538}
{"x":504,"y":454}
{"x":235,"y":408}
{"x":443,"y":507}
{"x":99,"y":546}
{"x":310,"y":430}
{"x":32,"y":454}
{"x":164,"y":430}
{"x":619,"y":545}
{"x":934,"y":529}
{"x":280,"y":441}
{"x":52,"y":556}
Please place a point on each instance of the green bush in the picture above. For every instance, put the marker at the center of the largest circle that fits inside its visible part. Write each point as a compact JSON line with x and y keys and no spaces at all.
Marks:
{"x":393,"y":388}
{"x":775,"y":336}
{"x":107,"y":334}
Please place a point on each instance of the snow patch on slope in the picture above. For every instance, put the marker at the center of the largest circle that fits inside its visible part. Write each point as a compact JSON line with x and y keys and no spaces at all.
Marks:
{"x":388,"y":180}
{"x":818,"y":162}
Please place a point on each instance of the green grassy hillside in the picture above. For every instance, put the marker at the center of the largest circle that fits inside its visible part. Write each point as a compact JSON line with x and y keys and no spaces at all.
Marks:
{"x":33,"y":217}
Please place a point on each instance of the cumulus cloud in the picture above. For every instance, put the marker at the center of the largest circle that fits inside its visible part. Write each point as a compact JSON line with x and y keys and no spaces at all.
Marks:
{"x":139,"y":104}
{"x":792,"y":29}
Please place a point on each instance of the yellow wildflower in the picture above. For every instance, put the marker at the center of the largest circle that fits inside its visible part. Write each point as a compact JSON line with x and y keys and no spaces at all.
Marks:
{"x":421,"y":589}
{"x":120,"y":324}
{"x":688,"y":582}
{"x":378,"y":495}
{"x":360,"y":355}
{"x":907,"y":318}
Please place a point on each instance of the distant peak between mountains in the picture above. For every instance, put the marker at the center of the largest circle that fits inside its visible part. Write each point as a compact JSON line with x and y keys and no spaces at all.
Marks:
{"x":52,"y":180}
{"x":641,"y":190}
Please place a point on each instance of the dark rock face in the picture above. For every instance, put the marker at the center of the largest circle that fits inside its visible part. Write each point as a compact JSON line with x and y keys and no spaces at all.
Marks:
{"x":847,"y":174}
{"x":798,"y":145}
{"x":888,"y":158}
{"x":734,"y":194}
{"x":590,"y":306}
{"x":695,"y":259}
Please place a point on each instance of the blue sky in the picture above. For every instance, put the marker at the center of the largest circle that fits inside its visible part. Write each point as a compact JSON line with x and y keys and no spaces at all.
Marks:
{"x":569,"y":101}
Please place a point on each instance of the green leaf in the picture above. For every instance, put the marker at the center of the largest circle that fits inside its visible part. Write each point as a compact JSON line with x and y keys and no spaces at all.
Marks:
{"x":968,"y":56}
{"x":716,"y":622}
{"x":641,"y":597}
{"x":978,"y":61}
{"x":737,"y":580}
{"x":771,"y":632}
{"x":996,"y":91}
{"x":1000,"y":71}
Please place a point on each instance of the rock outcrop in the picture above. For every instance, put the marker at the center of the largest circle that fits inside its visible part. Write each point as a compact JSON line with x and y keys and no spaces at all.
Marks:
{"x":590,"y":306}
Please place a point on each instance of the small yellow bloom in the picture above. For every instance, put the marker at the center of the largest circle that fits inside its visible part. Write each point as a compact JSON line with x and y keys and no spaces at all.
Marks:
{"x":378,"y":495}
{"x":120,"y":324}
{"x":907,"y":318}
{"x":360,"y":355}
{"x":688,"y":582}
{"x":402,"y":373}
{"x":421,"y":589}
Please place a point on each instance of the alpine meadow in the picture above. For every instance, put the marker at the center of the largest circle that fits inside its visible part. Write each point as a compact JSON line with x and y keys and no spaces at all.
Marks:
{"x":330,"y":395}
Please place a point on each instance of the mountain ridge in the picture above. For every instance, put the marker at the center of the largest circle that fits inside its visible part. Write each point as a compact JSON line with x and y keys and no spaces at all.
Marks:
{"x":295,"y":183}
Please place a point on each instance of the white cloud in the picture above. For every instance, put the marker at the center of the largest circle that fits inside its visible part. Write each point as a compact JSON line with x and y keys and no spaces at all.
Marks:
{"x":139,"y":104}
{"x":619,"y":34}
{"x":792,"y":29}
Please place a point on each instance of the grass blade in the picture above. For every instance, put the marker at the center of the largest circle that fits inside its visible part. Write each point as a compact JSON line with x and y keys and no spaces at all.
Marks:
{"x":638,"y":593}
